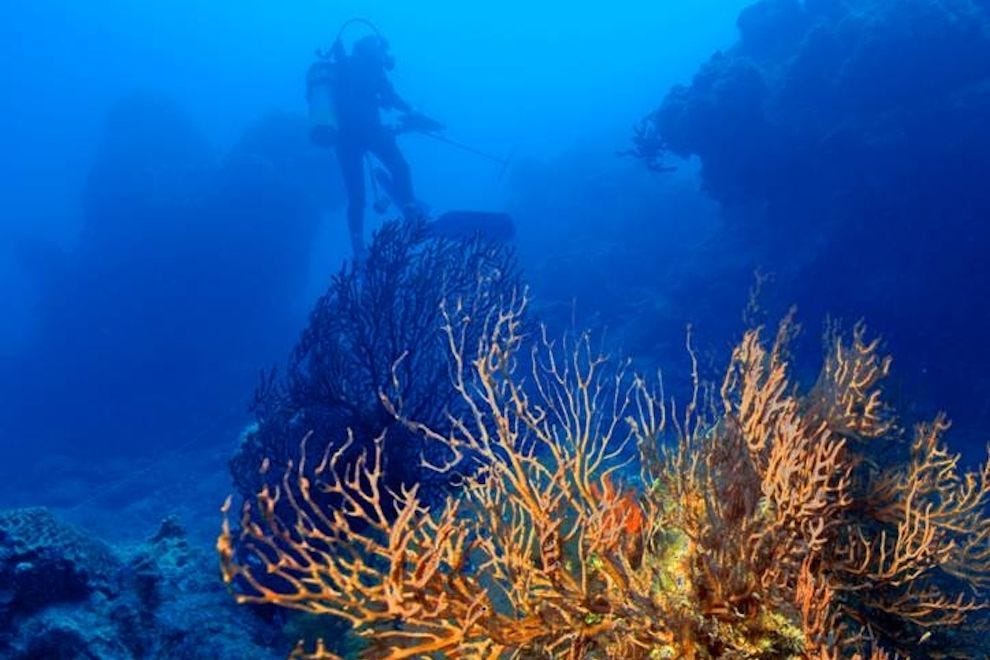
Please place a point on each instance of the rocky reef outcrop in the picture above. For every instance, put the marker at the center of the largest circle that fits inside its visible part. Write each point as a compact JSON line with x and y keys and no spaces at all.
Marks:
{"x":64,"y":594}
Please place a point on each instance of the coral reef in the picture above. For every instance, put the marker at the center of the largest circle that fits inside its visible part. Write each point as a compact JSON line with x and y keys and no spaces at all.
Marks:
{"x":45,"y":562}
{"x":812,"y":87}
{"x":376,"y":329}
{"x":845,"y":143}
{"x":789,"y":509}
{"x":766,"y":525}
{"x":64,"y":594}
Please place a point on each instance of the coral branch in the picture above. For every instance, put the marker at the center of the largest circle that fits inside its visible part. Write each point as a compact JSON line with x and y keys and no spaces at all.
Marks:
{"x":764,"y":528}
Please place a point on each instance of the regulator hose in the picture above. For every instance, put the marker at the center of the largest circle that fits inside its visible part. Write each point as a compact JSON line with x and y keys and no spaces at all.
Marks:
{"x":336,"y":51}
{"x":362,"y":21}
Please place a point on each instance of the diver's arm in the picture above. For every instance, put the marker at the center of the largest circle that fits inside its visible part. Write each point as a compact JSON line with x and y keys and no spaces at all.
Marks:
{"x":391,"y":99}
{"x":411,"y":119}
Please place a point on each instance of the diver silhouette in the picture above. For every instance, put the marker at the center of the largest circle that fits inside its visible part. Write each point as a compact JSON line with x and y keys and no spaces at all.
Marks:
{"x":346,"y":94}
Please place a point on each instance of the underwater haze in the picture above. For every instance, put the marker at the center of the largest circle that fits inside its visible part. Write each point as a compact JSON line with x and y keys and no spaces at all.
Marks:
{"x":239,"y":248}
{"x":173,"y":92}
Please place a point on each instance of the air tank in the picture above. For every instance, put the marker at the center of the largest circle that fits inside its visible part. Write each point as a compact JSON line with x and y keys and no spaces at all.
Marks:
{"x":320,"y":98}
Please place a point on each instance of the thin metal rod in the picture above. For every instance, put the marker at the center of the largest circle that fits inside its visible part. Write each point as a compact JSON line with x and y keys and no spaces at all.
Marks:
{"x":468,"y":148}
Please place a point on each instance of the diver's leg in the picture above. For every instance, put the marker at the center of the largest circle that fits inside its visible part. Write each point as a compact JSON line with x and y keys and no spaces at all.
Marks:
{"x":387,"y":151}
{"x":351,"y":161}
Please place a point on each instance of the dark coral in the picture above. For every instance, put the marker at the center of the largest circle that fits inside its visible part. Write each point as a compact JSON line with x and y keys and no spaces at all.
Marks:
{"x":847,"y":143}
{"x":377,"y":329}
{"x":813,"y":86}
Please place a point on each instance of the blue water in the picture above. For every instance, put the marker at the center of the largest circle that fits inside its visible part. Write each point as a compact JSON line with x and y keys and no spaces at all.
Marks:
{"x":167,"y":227}
{"x":153,"y":263}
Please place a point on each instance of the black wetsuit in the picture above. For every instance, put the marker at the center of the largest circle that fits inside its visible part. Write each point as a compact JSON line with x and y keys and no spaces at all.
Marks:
{"x":362,"y":88}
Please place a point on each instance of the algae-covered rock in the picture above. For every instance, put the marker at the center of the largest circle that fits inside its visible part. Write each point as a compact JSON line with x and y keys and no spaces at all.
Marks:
{"x":44,"y":562}
{"x":65,"y":594}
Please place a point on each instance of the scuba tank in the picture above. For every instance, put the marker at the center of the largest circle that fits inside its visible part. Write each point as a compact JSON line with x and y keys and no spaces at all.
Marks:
{"x":320,"y":81}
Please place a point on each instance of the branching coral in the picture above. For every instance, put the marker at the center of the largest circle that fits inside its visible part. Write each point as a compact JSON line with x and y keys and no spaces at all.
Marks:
{"x":351,"y":348}
{"x":764,"y":530}
{"x":790,"y":514}
{"x":527,"y":556}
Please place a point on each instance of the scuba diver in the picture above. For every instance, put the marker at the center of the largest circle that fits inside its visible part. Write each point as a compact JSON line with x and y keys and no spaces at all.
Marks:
{"x":346,"y":94}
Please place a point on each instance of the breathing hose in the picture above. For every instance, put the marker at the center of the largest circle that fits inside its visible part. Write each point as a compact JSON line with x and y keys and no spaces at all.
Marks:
{"x":337,"y":49}
{"x":362,"y":21}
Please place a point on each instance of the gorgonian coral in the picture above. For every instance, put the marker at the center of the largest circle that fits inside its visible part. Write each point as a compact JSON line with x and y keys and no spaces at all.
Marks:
{"x":764,"y":528}
{"x":376,"y":329}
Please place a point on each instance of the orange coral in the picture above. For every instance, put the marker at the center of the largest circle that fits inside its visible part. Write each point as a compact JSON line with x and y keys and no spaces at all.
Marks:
{"x":529,"y":556}
{"x":788,"y":511}
{"x":623,"y":506}
{"x":764,"y":531}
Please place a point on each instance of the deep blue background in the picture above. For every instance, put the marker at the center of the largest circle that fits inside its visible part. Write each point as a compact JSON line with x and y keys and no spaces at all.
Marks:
{"x":166,"y":226}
